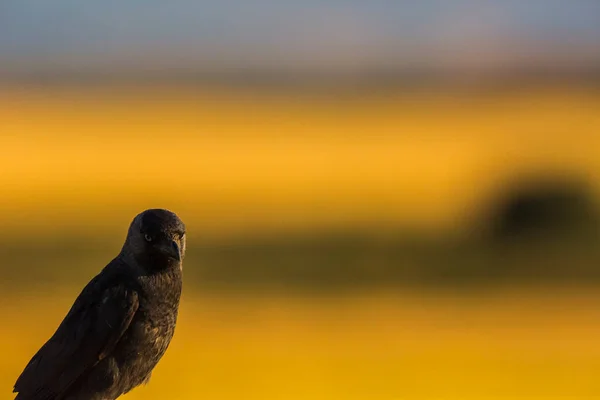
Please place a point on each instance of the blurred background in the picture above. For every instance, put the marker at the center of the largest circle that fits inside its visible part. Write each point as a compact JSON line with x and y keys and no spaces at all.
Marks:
{"x":384,"y":200}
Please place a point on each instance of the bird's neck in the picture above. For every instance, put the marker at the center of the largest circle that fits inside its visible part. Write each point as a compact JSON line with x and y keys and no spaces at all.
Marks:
{"x":145,"y":265}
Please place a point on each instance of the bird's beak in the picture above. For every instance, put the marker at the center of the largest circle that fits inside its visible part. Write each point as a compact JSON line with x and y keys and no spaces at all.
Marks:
{"x":173,"y":250}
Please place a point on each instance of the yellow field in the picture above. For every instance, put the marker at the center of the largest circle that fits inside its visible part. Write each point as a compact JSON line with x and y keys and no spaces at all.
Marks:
{"x":236,"y":161}
{"x":501,"y":345}
{"x":245,"y":164}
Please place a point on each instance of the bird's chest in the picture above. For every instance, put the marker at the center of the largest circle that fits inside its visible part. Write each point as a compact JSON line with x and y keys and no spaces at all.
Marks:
{"x":152,"y":328}
{"x":154,"y":322}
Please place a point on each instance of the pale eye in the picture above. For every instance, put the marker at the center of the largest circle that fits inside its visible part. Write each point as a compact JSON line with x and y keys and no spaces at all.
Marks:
{"x":148,"y":237}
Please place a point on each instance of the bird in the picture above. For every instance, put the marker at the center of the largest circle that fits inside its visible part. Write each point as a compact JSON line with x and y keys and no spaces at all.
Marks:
{"x":121,"y":323}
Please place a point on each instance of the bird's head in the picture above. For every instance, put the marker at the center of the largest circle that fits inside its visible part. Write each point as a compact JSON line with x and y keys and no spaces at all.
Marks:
{"x":156,"y":239}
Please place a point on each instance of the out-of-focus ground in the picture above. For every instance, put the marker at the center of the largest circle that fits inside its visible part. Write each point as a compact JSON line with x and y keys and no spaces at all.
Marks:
{"x":310,"y":188}
{"x":517,"y":343}
{"x":413,"y":245}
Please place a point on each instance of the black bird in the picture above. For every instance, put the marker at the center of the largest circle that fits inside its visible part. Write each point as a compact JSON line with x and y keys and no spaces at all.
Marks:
{"x":120,"y":325}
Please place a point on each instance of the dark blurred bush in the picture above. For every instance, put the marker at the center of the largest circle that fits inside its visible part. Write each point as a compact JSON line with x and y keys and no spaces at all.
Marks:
{"x":542,"y":207}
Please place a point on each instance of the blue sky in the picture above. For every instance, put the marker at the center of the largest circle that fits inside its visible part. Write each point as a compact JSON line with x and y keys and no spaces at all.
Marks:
{"x":180,"y":33}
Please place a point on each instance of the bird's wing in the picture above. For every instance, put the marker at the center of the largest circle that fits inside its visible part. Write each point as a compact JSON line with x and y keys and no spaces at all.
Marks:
{"x":88,"y":333}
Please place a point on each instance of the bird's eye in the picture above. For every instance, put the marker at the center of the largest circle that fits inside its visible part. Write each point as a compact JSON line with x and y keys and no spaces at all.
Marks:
{"x":148,"y":237}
